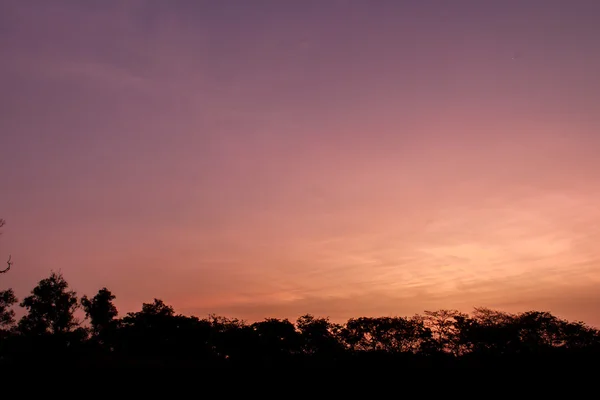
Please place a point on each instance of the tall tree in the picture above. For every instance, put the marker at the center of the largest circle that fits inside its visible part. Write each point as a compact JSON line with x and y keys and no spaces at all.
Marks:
{"x":100,"y":310}
{"x":51,"y":307}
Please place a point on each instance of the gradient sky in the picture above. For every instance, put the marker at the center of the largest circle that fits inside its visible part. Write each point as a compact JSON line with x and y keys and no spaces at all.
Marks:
{"x":273,"y":158}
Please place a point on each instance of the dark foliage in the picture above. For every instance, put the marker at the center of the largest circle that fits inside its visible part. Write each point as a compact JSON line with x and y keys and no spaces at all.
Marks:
{"x":7,"y":315}
{"x":50,"y":307}
{"x":156,"y":336}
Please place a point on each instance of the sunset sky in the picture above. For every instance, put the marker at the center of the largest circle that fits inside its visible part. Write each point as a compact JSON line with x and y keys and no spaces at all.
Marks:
{"x":257,"y":158}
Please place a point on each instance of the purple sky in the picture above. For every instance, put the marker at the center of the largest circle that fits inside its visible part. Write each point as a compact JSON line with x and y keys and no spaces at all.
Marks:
{"x":272,"y":158}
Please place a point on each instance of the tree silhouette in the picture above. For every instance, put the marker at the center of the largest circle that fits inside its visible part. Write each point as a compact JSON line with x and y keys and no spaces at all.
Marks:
{"x":320,"y":337}
{"x":51,"y":307}
{"x":489,"y":332}
{"x":444,"y":327}
{"x":157,"y":309}
{"x":156,"y":336}
{"x":388,"y":334}
{"x":148,"y":334}
{"x":100,"y":310}
{"x":7,"y":315}
{"x":277,"y":336}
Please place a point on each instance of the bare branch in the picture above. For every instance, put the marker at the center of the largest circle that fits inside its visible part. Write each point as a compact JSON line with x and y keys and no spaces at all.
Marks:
{"x":9,"y":262}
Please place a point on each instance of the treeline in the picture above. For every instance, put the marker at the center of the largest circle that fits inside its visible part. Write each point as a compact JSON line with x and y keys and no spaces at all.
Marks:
{"x":49,"y":334}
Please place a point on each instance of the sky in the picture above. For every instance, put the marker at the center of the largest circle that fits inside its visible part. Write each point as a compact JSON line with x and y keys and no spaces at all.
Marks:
{"x":342,"y":158}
